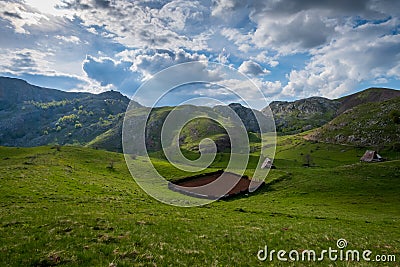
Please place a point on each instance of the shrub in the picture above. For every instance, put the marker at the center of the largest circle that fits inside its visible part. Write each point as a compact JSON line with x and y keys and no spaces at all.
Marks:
{"x":396,"y":147}
{"x":394,"y":115}
{"x":68,"y":118}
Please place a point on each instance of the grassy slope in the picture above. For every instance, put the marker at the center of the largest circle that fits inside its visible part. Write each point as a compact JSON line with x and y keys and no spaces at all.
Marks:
{"x":366,"y":124}
{"x":66,"y":207}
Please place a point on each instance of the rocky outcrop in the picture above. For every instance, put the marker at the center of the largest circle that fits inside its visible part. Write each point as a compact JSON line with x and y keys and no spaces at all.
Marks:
{"x":302,"y":115}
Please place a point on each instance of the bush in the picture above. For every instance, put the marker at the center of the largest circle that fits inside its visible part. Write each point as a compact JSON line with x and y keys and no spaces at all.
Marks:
{"x":67,"y":119}
{"x":394,"y":115}
{"x":396,"y":147}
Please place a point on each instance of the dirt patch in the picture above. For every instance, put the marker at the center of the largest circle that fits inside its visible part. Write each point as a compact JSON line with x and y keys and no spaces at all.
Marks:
{"x":214,"y":185}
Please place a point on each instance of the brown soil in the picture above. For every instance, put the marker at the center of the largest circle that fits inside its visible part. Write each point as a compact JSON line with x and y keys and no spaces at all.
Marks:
{"x":214,"y":185}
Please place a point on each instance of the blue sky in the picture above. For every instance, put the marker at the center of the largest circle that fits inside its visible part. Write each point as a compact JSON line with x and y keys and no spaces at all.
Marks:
{"x":290,"y":49}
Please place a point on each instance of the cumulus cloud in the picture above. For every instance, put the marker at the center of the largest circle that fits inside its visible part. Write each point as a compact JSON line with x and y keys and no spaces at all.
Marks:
{"x":295,"y":33}
{"x":365,"y":53}
{"x":189,"y":17}
{"x":106,"y":70}
{"x":145,"y":24}
{"x":133,"y":67}
{"x":21,"y":16}
{"x":254,"y":93}
{"x":252,"y":68}
{"x":310,"y":47}
{"x":147,"y":62}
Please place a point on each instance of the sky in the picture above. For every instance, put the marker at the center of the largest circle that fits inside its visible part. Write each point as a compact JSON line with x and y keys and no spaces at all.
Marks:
{"x":290,"y":49}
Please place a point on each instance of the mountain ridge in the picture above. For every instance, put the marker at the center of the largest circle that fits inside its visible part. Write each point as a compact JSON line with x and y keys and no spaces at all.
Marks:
{"x":32,"y":116}
{"x":301,"y":115}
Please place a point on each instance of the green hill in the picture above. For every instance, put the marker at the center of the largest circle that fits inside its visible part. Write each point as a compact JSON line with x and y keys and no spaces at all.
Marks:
{"x":198,"y":129}
{"x":371,"y":95}
{"x":306,"y":114}
{"x":371,"y":124}
{"x":192,"y":132}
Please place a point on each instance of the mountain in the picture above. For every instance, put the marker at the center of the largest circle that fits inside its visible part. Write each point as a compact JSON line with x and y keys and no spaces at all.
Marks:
{"x":369,"y":124}
{"x":371,"y":95}
{"x":15,"y":91}
{"x":305,"y":114}
{"x":34,"y":116}
{"x":252,"y":119}
{"x":192,"y":132}
{"x":302,"y":115}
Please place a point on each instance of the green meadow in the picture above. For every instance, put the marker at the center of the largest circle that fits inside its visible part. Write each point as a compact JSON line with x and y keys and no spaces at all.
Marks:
{"x":77,"y":206}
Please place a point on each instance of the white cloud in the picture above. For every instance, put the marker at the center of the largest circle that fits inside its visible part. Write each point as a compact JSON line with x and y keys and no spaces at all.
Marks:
{"x":243,"y":41}
{"x":310,"y":47}
{"x":142,"y":24}
{"x":148,"y":62}
{"x":252,"y":68}
{"x":68,"y":39}
{"x":183,"y":16}
{"x":361,"y":54}
{"x":20,"y":16}
{"x":293,"y":33}
{"x":223,"y":57}
{"x":49,"y":7}
{"x":26,"y":61}
{"x":380,"y":81}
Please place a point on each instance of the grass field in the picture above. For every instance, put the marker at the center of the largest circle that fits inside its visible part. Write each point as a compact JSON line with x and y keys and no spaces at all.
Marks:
{"x":80,"y":207}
